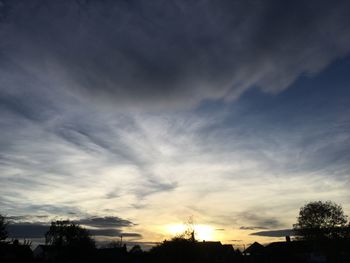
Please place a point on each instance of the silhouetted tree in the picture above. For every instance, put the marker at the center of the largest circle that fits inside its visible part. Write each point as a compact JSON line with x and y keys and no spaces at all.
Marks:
{"x":178,"y":249}
{"x":189,"y":231}
{"x":68,"y":234}
{"x":181,"y":248}
{"x":136,"y":249}
{"x":321,"y":220}
{"x":3,"y":226}
{"x":114,"y":244}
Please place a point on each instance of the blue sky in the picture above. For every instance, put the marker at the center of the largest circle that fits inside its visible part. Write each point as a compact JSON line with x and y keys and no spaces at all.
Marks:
{"x":234,"y":113}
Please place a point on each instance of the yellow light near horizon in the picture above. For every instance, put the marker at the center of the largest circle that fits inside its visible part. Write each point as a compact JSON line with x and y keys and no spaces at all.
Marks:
{"x":202,"y":232}
{"x":175,"y":230}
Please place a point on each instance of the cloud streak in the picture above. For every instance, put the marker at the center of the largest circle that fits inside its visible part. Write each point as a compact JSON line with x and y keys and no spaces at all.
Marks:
{"x":275,"y":233}
{"x":107,"y":221}
{"x":109,"y":226}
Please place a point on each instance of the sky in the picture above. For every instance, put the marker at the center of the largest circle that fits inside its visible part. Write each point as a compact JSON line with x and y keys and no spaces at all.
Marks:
{"x":130,"y":117}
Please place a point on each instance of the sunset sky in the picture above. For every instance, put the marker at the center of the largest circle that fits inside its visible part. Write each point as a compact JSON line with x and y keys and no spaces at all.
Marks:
{"x":130,"y":117}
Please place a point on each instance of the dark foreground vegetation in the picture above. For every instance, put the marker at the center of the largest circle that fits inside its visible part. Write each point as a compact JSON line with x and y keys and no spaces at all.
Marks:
{"x":322,"y":235}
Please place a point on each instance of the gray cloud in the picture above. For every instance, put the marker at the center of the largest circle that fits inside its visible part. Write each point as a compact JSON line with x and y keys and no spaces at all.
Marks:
{"x":109,"y":226}
{"x":171,"y":53}
{"x":151,"y":186}
{"x":27,"y":230}
{"x":252,"y":227}
{"x":259,"y":221}
{"x":26,"y":217}
{"x":103,"y":222}
{"x":38,"y":230}
{"x":275,"y":233}
{"x":53,"y":209}
{"x":113,"y":194}
{"x":112,"y":232}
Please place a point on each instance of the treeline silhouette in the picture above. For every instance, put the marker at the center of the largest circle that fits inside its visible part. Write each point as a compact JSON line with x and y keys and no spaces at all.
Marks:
{"x":322,"y":235}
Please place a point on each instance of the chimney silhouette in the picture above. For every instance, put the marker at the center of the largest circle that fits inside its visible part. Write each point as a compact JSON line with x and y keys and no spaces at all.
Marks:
{"x":192,"y":236}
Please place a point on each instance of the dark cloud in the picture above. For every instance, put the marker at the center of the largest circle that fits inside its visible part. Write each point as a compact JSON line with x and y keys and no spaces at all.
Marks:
{"x":112,"y":232}
{"x":112,"y":194}
{"x":103,"y":222}
{"x":91,"y":137}
{"x":26,"y":217}
{"x":38,"y":230}
{"x":27,"y":230}
{"x":152,"y":186}
{"x":54,"y":209}
{"x":170,"y":53}
{"x":252,"y":227}
{"x":259,"y":221}
{"x":130,"y":234}
{"x":275,"y":233}
{"x":26,"y":106}
{"x":108,"y":226}
{"x":138,"y":206}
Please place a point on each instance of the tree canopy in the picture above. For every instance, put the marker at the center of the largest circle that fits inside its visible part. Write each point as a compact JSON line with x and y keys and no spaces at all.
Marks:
{"x":321,"y":220}
{"x":68,"y":234}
